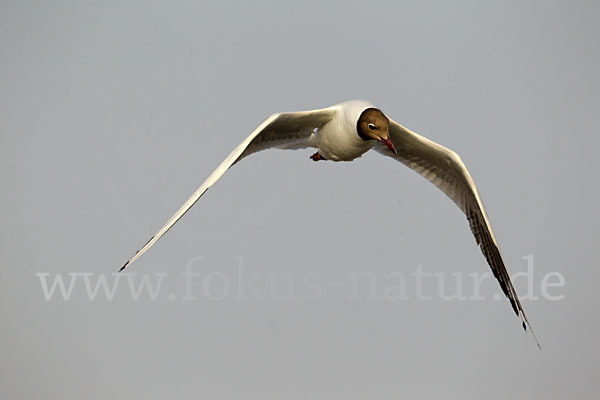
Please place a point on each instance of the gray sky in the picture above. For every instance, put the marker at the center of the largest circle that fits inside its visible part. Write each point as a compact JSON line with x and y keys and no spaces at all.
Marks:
{"x":112,"y":113}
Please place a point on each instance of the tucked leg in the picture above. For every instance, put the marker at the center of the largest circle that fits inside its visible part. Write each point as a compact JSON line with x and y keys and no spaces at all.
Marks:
{"x":317,"y":157}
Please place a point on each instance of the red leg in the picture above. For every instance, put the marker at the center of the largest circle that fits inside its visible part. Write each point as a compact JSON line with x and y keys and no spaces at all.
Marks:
{"x":317,"y":157}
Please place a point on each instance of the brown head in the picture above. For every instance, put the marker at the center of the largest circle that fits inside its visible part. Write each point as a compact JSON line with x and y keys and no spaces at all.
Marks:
{"x":374,"y":125}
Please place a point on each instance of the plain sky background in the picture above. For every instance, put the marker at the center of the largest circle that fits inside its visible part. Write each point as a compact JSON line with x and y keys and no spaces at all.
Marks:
{"x":112,"y":113}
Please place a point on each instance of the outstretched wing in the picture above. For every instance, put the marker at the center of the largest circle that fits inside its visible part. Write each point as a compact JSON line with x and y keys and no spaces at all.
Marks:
{"x":444,"y":168}
{"x":284,"y":130}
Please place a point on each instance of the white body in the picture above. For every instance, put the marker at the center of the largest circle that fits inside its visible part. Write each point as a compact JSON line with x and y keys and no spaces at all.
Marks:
{"x":338,"y":139}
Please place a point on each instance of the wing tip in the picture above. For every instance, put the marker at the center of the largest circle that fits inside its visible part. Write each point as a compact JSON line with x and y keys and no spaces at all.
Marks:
{"x":526,"y":324}
{"x":136,"y":255}
{"x":124,"y":266}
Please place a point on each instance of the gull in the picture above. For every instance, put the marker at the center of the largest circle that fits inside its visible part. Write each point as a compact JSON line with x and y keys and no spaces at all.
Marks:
{"x":344,"y":132}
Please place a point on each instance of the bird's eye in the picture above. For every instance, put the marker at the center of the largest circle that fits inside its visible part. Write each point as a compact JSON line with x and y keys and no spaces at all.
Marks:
{"x":371,"y":127}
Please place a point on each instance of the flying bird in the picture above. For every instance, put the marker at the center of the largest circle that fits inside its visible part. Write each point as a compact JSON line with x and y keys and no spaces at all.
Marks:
{"x":344,"y":132}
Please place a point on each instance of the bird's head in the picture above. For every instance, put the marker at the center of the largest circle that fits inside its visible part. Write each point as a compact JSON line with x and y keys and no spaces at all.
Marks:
{"x":374,"y":125}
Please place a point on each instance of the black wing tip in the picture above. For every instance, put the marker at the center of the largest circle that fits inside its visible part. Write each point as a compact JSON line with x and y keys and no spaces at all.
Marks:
{"x":525,"y":324}
{"x":136,"y":253}
{"x":124,"y":266}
